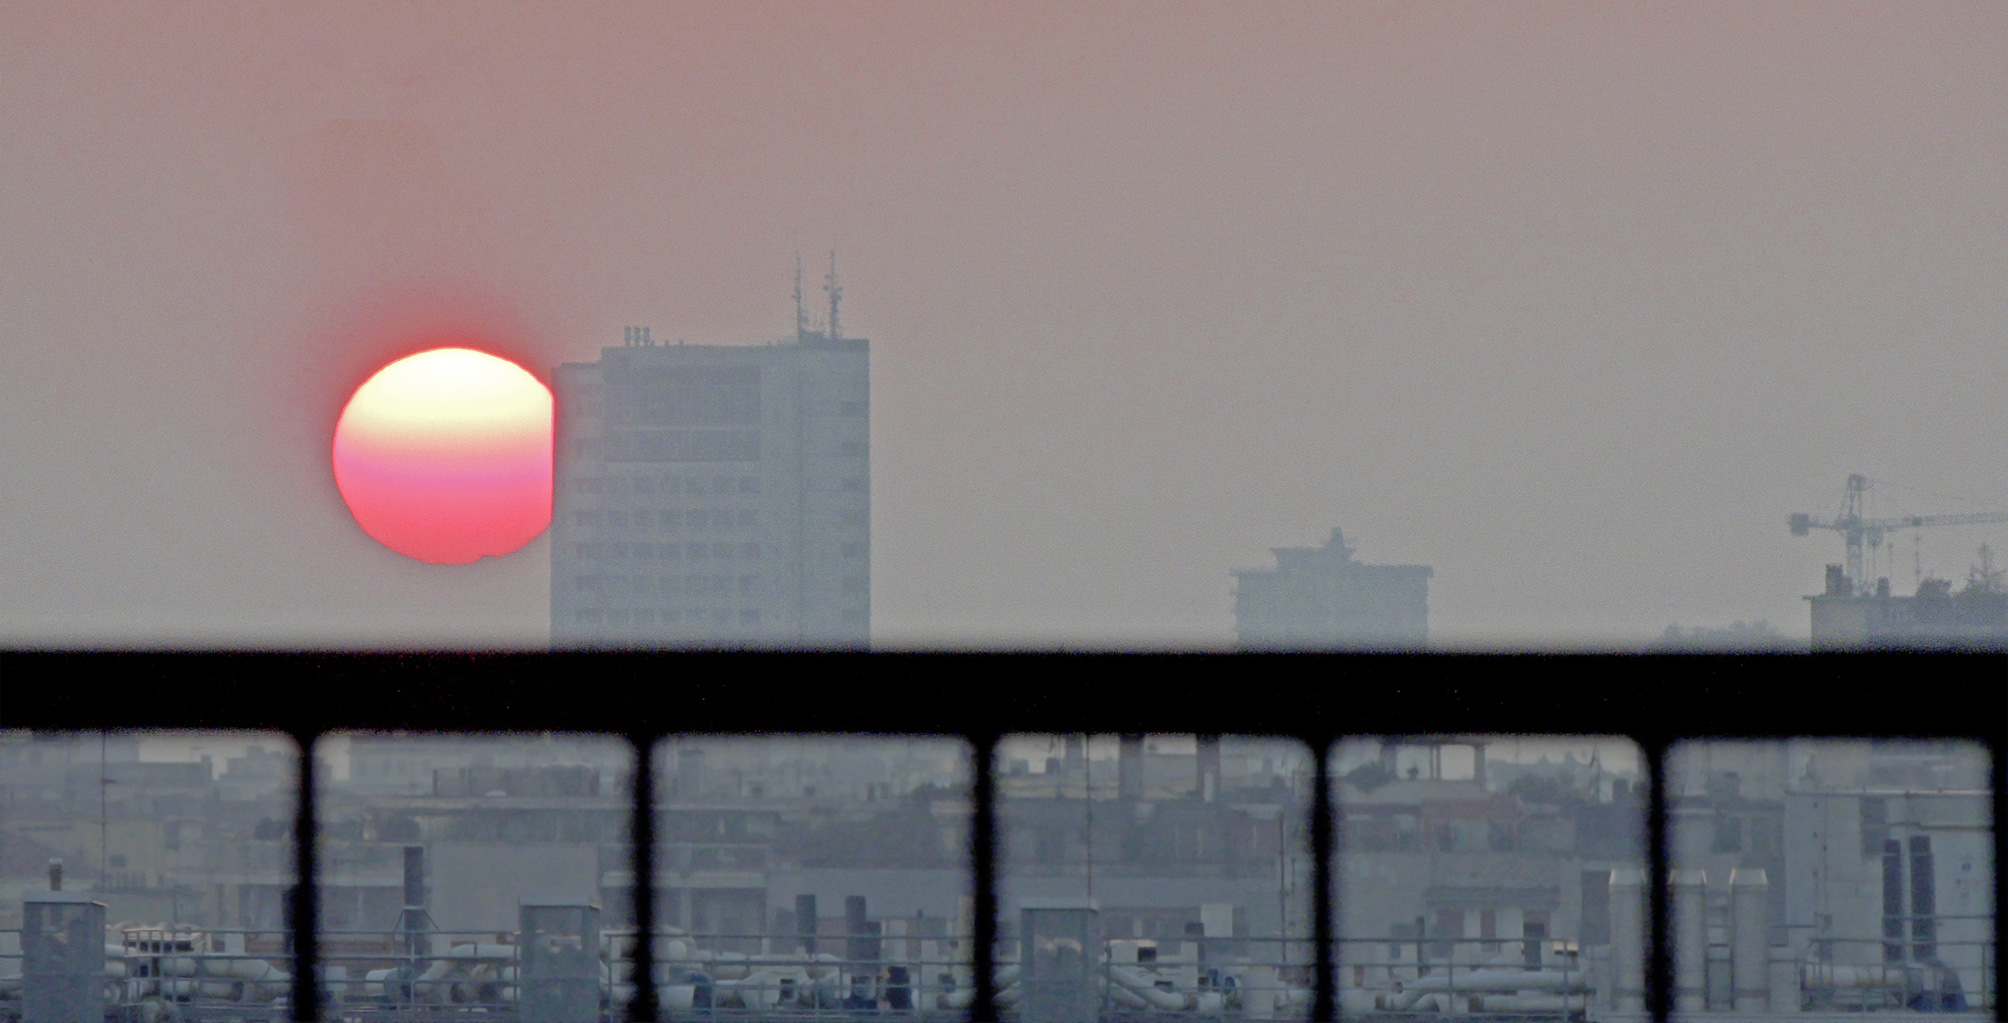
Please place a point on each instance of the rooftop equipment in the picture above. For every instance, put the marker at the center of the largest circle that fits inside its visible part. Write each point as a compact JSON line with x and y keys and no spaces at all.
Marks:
{"x":1060,"y":943}
{"x":560,"y":962}
{"x":62,"y":958}
{"x":1864,"y":534}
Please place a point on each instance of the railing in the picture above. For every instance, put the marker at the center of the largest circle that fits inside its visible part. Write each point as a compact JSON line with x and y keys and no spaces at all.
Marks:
{"x":1854,"y":974}
{"x":192,"y":973}
{"x":692,"y":857}
{"x":1316,"y":699}
{"x":1492,"y":976}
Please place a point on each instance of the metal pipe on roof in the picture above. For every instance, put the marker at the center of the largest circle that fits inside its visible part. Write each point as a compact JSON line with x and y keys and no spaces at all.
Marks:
{"x":1749,"y":889}
{"x":1627,"y":908}
{"x":1690,"y":939}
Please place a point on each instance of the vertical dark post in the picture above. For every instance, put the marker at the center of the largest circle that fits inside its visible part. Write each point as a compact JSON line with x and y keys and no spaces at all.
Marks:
{"x":1324,"y":1006}
{"x":857,"y":945}
{"x":641,"y":866}
{"x":412,"y":918}
{"x":1998,"y":778}
{"x":1923,"y":900}
{"x":1659,"y":908}
{"x":304,"y":904}
{"x":983,"y":863}
{"x":1892,"y":900}
{"x":807,"y":922}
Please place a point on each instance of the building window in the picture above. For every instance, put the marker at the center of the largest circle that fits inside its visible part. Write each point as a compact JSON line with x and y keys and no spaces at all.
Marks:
{"x":1728,"y":833}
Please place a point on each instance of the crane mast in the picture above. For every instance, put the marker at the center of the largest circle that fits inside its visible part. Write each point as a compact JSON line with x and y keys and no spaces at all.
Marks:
{"x":1862,"y":533}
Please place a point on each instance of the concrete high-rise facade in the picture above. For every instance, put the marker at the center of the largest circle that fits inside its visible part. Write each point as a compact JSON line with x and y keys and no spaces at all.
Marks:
{"x":1320,"y":597}
{"x":714,"y":495}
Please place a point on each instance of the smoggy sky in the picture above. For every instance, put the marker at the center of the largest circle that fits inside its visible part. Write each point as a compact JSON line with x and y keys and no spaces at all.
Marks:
{"x":1574,"y":303}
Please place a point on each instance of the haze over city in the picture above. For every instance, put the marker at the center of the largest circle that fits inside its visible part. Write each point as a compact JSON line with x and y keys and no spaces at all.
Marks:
{"x":1573,"y":303}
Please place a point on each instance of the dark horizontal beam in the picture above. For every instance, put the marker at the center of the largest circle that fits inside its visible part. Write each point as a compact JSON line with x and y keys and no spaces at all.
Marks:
{"x":1661,"y":698}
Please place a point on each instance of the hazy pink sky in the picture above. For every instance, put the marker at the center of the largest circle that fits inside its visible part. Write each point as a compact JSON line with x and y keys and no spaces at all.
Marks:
{"x":1573,"y":302}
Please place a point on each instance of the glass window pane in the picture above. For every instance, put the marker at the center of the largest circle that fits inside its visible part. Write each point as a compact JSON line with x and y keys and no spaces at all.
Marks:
{"x":177,"y":846}
{"x":1832,"y":876}
{"x":1489,"y":875}
{"x":486,"y":873}
{"x":1153,"y":874}
{"x":813,"y":875}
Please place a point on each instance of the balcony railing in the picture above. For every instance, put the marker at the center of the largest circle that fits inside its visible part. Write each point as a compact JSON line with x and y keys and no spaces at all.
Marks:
{"x":1655,"y":702}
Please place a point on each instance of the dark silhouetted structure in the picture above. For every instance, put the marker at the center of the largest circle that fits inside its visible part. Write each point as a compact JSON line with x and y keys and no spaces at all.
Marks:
{"x":714,"y":495}
{"x":1320,"y":597}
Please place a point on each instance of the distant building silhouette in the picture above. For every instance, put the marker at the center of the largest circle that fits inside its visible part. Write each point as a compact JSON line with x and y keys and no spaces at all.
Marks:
{"x":1757,"y":635}
{"x":1320,"y":597}
{"x":714,"y":495}
{"x":1975,"y":617}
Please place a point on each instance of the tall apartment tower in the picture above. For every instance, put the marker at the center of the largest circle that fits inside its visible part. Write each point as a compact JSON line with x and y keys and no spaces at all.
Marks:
{"x":1320,"y":597}
{"x":714,"y":495}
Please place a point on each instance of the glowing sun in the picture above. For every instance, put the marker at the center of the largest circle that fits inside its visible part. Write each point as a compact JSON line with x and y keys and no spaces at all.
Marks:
{"x":445,"y":456}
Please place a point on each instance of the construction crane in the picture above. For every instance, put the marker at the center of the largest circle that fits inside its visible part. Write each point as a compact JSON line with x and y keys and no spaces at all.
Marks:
{"x":1860,"y":531}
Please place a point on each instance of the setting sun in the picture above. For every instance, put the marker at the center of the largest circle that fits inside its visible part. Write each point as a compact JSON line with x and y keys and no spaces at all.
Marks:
{"x":445,"y":456}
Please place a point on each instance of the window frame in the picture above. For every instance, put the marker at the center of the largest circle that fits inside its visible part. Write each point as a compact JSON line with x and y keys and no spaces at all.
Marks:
{"x":1655,"y":701}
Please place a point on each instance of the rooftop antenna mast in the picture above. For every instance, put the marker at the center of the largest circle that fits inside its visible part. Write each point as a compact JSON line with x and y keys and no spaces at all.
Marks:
{"x":836,"y":293}
{"x":801,"y":313}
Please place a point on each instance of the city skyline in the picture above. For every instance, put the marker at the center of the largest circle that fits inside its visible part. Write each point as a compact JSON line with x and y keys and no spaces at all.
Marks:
{"x":1574,"y":304}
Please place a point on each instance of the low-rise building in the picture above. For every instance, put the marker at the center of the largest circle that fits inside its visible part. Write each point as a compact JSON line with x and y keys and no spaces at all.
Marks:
{"x":1321,"y":597}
